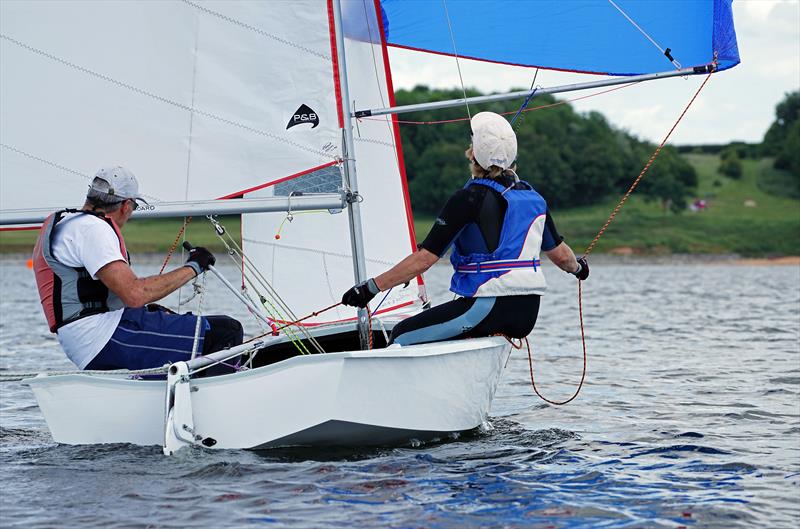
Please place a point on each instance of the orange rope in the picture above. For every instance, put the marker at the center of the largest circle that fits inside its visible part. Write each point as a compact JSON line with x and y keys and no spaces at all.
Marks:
{"x":295,"y":322}
{"x":583,"y":374}
{"x":646,"y":168}
{"x":175,"y":244}
{"x":594,"y":242}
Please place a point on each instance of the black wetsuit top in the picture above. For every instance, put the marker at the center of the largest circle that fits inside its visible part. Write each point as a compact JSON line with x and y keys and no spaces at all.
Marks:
{"x":513,"y":316}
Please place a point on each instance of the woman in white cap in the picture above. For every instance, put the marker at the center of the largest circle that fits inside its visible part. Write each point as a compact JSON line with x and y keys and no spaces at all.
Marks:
{"x":497,"y":226}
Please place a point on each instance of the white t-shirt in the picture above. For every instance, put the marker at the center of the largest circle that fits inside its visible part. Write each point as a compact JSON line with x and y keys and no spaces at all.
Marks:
{"x":84,"y":240}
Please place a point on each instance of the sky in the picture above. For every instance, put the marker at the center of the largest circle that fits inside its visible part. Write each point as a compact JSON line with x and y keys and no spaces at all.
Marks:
{"x":736,"y":104}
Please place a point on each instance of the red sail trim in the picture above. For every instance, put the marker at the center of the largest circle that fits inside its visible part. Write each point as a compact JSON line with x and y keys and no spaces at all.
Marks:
{"x":396,"y":128}
{"x":382,"y":311}
{"x":278,"y":181}
{"x":423,"y":50}
{"x":336,"y":81}
{"x":21,"y":228}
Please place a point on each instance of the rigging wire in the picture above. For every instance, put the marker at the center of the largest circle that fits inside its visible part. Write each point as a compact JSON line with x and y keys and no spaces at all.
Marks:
{"x":251,"y":271}
{"x":665,"y":52}
{"x":455,"y":52}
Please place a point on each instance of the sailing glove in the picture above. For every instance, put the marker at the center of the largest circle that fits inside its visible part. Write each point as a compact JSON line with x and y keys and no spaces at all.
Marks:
{"x":200,"y":259}
{"x":583,"y":272}
{"x":361,"y":294}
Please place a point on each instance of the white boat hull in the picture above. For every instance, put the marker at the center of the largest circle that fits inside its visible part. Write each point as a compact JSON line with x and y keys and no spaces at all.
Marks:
{"x":386,"y":396}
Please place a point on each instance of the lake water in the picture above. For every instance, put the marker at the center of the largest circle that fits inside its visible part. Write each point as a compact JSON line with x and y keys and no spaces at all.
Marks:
{"x":689,"y":417}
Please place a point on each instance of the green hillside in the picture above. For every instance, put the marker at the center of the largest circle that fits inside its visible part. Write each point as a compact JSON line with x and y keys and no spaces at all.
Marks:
{"x":727,"y":225}
{"x":769,"y":227}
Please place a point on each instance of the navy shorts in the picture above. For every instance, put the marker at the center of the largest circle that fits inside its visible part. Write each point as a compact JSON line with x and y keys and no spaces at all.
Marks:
{"x":150,"y":338}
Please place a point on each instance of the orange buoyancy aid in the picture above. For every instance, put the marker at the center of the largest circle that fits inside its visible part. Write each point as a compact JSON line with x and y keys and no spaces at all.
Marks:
{"x":69,"y":293}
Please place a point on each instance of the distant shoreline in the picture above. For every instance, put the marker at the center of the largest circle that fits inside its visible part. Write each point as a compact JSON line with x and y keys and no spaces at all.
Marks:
{"x":597,"y":259}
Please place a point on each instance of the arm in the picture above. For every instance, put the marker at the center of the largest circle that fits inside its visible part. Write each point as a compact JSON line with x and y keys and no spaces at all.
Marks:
{"x":564,"y":258}
{"x":407,"y":269}
{"x":138,"y":291}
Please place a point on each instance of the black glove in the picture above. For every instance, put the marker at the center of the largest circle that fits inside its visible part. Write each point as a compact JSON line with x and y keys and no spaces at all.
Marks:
{"x":200,"y":259}
{"x":361,"y":294}
{"x":583,"y":272}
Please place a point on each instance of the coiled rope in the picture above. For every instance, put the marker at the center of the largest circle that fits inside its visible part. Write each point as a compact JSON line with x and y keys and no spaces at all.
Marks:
{"x":594,"y":242}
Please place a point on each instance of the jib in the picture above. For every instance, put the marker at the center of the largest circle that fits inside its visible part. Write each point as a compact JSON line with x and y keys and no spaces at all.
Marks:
{"x":301,"y":118}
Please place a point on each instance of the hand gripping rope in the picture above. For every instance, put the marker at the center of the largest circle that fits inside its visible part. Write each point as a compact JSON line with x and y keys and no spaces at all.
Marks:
{"x":592,"y":245}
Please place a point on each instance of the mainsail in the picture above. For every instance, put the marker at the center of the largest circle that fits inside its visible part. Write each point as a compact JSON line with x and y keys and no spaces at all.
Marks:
{"x":232,"y":99}
{"x":208,"y":100}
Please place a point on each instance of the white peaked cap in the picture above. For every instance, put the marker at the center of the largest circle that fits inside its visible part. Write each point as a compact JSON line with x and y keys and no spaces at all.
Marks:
{"x":493,"y":140}
{"x":117,"y":183}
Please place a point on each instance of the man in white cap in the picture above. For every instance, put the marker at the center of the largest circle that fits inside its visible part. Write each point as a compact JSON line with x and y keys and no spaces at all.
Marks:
{"x":94,"y":301}
{"x":497,"y":226}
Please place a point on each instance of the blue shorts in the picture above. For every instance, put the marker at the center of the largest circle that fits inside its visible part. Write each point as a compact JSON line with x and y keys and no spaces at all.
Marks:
{"x":146,"y":339}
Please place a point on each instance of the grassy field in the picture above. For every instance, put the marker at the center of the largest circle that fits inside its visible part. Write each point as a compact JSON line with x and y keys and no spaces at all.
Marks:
{"x":154,"y":235}
{"x":768,"y":226}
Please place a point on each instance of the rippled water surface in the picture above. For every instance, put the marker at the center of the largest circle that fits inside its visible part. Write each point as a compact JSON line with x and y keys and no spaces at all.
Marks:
{"x":690,"y":417}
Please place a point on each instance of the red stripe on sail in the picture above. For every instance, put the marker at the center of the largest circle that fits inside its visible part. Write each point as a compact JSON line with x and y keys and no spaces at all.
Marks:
{"x":396,"y":128}
{"x":336,"y":82}
{"x":278,"y":181}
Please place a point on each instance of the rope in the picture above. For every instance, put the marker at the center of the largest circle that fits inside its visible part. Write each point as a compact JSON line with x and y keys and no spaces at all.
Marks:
{"x":645,"y":169}
{"x":583,"y":373}
{"x":295,"y":322}
{"x":591,"y":247}
{"x":175,"y":244}
{"x":251,"y":271}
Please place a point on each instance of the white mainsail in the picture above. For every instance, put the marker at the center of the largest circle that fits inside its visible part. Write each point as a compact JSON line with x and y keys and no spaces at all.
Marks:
{"x":195,"y":98}
{"x":311,"y":263}
{"x":208,"y":100}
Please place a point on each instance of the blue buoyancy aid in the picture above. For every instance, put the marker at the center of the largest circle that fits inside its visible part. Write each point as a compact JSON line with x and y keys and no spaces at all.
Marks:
{"x":514,"y":267}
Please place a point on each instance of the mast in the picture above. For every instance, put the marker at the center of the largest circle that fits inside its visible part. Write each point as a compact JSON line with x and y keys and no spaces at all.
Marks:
{"x":354,"y":211}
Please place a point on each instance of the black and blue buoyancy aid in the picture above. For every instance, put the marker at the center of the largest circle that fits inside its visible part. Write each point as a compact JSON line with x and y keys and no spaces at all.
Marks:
{"x":514,"y":267}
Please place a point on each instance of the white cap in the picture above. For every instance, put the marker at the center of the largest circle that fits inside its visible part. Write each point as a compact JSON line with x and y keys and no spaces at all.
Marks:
{"x":493,"y":140}
{"x":115,"y":184}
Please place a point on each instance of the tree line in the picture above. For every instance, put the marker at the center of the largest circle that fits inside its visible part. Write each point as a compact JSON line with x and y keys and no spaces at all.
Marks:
{"x":572,"y":159}
{"x":781,"y":143}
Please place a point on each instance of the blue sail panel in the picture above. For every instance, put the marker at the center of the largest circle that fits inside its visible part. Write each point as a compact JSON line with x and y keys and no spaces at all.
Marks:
{"x":619,"y":37}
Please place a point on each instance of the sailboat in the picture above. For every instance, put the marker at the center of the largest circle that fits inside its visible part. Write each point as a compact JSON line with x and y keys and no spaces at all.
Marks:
{"x":260,"y":109}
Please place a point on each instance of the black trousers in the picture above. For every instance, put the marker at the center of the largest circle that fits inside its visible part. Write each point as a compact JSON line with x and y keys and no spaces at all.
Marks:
{"x":514,"y":316}
{"x":224,"y":332}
